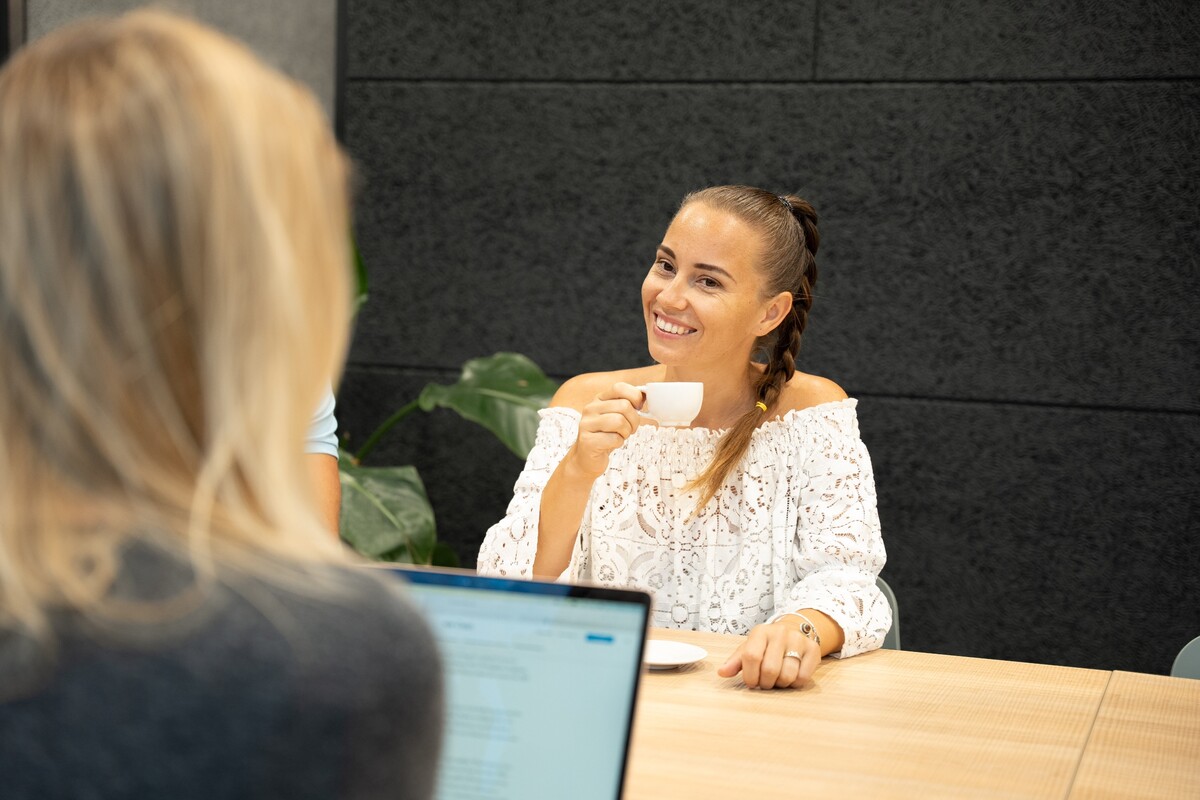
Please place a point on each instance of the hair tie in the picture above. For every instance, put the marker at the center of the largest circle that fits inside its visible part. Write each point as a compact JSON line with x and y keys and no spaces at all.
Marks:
{"x":761,"y":406}
{"x":787,"y":204}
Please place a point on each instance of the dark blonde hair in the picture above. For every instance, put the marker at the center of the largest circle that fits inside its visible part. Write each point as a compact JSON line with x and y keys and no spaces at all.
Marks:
{"x":788,"y":227}
{"x":174,"y":301}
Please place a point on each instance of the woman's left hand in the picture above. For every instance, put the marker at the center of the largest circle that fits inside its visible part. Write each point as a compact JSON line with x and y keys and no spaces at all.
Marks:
{"x":767,"y":658}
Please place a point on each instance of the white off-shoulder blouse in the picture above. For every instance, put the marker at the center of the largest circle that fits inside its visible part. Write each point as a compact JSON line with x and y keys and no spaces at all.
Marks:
{"x":794,"y":526}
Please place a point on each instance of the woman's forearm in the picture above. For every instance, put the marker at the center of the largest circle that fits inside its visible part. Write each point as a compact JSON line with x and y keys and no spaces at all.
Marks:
{"x":832,"y":637}
{"x":563,"y":502}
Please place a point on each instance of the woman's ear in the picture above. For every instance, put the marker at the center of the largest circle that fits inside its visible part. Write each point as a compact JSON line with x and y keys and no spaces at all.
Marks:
{"x":774,"y":312}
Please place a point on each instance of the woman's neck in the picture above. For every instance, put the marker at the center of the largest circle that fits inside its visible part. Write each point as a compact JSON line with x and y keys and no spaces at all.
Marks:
{"x":728,"y":391}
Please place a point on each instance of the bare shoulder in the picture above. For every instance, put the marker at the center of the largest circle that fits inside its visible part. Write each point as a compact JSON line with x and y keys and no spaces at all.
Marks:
{"x":805,"y":391}
{"x":582,"y":389}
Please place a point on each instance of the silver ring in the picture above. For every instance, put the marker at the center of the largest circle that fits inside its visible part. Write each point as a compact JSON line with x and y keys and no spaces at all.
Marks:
{"x":793,"y":654}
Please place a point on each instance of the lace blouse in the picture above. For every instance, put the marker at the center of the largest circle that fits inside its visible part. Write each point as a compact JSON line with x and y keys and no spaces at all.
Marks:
{"x":794,"y":526}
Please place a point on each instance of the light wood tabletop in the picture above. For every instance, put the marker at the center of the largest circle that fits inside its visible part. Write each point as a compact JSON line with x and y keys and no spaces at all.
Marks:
{"x":883,"y":724}
{"x":1146,"y":740}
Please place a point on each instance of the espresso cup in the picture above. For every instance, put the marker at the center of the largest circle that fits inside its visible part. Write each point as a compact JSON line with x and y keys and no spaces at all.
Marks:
{"x":673,"y":404}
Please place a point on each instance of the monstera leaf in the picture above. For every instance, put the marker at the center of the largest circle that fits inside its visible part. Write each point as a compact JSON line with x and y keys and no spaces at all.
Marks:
{"x":386,"y":514}
{"x":503,"y":393}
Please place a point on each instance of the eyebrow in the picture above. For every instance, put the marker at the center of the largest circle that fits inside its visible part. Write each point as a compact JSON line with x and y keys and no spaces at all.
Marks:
{"x":705,"y":267}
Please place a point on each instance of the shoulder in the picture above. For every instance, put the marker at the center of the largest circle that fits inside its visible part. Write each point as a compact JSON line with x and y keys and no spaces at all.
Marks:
{"x":344,"y":626}
{"x":805,"y":391}
{"x":362,"y":607}
{"x":338,"y":645}
{"x":582,"y":389}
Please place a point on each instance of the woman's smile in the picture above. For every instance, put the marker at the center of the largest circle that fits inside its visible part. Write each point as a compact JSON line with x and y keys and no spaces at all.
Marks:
{"x":670,"y":327}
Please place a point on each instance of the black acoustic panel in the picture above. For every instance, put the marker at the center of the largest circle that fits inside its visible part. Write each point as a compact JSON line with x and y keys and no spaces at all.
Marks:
{"x":1020,"y":243}
{"x":7,"y":30}
{"x":870,"y":40}
{"x":1035,"y":534}
{"x":1031,"y":242}
{"x":551,"y":40}
{"x":503,"y":220}
{"x":468,"y":473}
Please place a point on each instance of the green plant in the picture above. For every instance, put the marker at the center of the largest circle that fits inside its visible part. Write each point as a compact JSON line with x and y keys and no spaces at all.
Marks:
{"x":386,"y":514}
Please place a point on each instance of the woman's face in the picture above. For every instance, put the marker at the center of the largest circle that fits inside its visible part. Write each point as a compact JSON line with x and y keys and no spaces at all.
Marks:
{"x":704,"y":300}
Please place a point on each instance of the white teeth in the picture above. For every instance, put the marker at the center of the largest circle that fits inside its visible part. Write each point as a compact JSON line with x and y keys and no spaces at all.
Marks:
{"x":678,"y":330}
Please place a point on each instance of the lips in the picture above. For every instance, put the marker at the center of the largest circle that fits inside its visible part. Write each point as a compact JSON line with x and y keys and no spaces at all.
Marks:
{"x":672,"y":327}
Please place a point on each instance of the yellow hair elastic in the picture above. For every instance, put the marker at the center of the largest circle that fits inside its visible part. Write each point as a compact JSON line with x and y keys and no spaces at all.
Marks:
{"x":762,"y":406}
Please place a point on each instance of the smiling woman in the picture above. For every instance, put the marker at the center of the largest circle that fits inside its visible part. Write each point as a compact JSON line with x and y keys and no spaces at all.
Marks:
{"x":758,"y":519}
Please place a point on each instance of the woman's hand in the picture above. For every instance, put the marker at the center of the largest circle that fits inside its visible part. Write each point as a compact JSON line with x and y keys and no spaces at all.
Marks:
{"x":764,"y":660}
{"x":606,"y":423}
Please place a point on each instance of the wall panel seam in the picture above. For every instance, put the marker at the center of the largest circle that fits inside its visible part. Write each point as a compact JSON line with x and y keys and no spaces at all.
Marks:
{"x":1043,"y":404}
{"x":453,"y":372}
{"x":816,"y":40}
{"x":908,"y":83}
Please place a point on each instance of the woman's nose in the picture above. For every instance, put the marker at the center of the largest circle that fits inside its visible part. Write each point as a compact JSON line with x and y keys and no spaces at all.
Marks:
{"x":674,"y":294}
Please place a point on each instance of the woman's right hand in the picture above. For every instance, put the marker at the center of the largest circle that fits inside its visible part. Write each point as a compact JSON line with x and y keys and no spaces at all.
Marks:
{"x":607,"y":421}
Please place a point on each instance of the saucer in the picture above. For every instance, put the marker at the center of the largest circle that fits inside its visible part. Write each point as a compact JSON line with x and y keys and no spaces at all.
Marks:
{"x":663,"y":654}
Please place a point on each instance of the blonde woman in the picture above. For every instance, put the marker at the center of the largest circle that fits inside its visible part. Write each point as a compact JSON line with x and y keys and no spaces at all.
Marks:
{"x":760,"y":518}
{"x":175,"y":620}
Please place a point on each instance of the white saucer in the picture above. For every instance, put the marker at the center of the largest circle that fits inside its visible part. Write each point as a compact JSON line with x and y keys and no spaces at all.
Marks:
{"x":662,"y":654}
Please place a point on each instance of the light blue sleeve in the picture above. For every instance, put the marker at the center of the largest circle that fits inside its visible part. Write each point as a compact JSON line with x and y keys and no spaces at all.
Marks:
{"x":322,"y":432}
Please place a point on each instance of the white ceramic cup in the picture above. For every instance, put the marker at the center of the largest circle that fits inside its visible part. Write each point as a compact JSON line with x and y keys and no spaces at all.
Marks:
{"x":673,"y":404}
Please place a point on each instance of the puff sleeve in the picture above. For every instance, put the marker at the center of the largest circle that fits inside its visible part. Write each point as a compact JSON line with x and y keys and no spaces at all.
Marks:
{"x":837,"y":550}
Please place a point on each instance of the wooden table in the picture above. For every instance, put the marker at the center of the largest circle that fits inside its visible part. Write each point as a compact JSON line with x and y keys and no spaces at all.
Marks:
{"x":1145,"y":742}
{"x":906,"y":724}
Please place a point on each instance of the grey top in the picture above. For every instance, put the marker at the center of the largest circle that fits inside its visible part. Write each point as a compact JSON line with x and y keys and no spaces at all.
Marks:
{"x":259,"y":692}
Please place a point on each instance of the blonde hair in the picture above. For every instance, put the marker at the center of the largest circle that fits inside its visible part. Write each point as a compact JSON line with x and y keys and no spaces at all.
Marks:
{"x":788,"y":227}
{"x":174,"y":300}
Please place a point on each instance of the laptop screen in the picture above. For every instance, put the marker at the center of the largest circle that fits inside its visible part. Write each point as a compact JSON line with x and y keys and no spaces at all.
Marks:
{"x":541,"y":682}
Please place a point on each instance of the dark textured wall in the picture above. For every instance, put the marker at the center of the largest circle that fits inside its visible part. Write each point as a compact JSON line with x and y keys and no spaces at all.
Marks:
{"x":5,"y":35}
{"x":1010,"y":206}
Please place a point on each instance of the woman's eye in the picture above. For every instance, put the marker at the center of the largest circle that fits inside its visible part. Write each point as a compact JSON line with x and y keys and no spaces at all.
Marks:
{"x":709,"y":283}
{"x":664,"y":266}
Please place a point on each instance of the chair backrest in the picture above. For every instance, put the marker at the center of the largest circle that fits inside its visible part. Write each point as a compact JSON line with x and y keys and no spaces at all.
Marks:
{"x":1187,"y":663}
{"x":892,"y":640}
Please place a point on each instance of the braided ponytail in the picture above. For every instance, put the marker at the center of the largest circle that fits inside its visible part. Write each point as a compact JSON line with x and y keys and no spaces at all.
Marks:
{"x":788,"y":225}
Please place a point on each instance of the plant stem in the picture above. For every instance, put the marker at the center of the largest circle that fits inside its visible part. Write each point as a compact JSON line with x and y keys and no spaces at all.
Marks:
{"x":388,"y":424}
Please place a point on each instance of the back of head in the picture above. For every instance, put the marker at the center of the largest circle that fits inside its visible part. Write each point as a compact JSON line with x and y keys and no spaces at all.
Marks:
{"x":174,"y":299}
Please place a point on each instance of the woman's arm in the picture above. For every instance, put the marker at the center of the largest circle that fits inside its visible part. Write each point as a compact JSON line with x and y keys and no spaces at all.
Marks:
{"x":838,"y":550}
{"x":563,"y":502}
{"x":607,"y":419}
{"x":835,"y":607}
{"x":326,"y":483}
{"x":510,"y":546}
{"x":321,"y":450}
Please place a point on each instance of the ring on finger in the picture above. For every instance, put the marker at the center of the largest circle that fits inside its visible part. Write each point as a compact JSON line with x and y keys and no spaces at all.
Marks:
{"x":793,"y":654}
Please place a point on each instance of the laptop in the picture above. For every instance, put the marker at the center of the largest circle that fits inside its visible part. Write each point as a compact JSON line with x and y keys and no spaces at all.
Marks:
{"x":541,"y":683}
